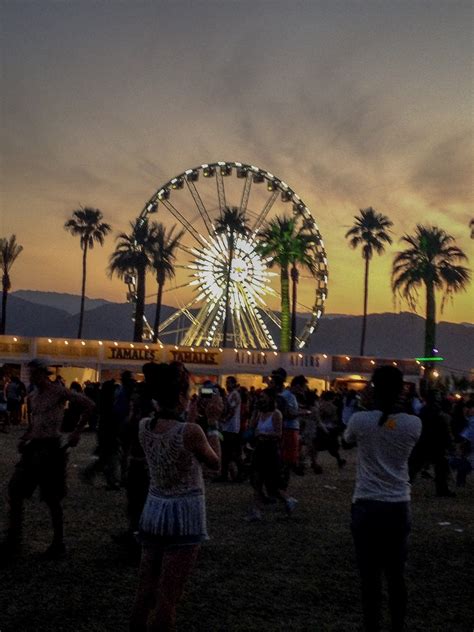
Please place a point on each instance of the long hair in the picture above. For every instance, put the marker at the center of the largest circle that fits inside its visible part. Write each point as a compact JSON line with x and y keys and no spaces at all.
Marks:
{"x":168,"y":383}
{"x":388,"y":385}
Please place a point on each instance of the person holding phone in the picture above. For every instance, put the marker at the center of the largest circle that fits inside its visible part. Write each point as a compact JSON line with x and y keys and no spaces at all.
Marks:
{"x":173,"y":522}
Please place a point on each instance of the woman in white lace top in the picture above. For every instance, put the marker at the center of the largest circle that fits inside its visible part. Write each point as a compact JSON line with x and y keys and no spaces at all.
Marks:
{"x":173,"y":522}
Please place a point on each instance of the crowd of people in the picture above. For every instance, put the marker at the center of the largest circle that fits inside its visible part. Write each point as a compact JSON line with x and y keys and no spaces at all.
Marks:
{"x":158,"y":441}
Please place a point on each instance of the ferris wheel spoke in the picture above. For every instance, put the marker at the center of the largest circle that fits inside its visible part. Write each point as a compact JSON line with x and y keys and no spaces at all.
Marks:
{"x":200,"y":206}
{"x":220,"y":189}
{"x":185,"y":249}
{"x":266,"y":209}
{"x":276,"y":320}
{"x":183,"y":221}
{"x":246,"y":193}
{"x":254,"y":323}
{"x":180,"y":312}
{"x":203,"y":326}
{"x":245,"y":331}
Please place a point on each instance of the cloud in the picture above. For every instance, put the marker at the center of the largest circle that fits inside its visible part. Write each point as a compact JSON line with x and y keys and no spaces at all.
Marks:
{"x":444,"y":173}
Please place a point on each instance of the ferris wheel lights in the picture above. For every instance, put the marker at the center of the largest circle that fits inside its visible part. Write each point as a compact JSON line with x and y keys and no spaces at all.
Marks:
{"x":192,"y":175}
{"x":152,"y":207}
{"x":299,"y":207}
{"x":208,"y":171}
{"x":164,"y":194}
{"x":286,"y":195}
{"x":177,"y":183}
{"x":225,"y":169}
{"x":272,"y":185}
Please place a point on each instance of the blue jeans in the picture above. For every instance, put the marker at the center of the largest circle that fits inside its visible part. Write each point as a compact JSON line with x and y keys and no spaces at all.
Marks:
{"x":380,"y":532}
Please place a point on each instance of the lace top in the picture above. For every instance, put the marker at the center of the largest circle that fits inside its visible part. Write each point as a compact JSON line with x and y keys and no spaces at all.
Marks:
{"x":175,"y":505}
{"x":174,"y":470}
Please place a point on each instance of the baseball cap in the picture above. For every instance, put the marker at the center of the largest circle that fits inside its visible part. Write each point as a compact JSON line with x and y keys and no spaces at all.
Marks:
{"x":279,"y":373}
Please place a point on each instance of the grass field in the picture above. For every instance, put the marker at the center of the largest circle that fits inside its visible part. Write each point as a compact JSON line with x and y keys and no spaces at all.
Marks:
{"x":283,"y":574}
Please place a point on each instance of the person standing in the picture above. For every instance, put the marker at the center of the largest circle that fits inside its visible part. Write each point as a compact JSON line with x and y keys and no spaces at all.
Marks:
{"x":435,"y":444}
{"x":173,"y":522}
{"x":230,"y":427}
{"x":15,"y":392}
{"x":43,"y":458}
{"x":266,"y":464}
{"x":381,"y":518}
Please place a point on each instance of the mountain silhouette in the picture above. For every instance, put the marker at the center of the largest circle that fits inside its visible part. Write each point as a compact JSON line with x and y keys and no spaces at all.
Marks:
{"x":388,"y":335}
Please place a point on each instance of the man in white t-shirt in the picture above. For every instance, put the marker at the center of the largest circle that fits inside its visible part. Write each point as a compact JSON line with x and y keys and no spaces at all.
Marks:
{"x":230,"y":428}
{"x":380,"y":524}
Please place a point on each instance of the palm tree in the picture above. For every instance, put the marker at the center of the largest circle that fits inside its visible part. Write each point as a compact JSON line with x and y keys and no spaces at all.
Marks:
{"x":132,"y":257}
{"x":432,"y":260}
{"x":370,"y":230}
{"x":9,"y":251}
{"x":163,"y":255}
{"x":232,"y":222}
{"x":285,"y":245}
{"x":88,"y":225}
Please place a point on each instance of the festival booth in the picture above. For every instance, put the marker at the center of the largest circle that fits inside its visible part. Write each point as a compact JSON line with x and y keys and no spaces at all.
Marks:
{"x":99,"y":360}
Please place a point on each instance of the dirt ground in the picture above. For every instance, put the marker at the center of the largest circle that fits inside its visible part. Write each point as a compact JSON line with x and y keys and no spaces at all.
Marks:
{"x":293,"y":574}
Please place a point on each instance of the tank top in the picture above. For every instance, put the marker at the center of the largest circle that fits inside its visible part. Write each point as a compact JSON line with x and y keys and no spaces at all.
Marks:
{"x":265,"y":426}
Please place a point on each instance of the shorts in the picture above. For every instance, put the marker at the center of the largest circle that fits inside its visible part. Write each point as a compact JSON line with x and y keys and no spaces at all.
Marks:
{"x":42,"y":464}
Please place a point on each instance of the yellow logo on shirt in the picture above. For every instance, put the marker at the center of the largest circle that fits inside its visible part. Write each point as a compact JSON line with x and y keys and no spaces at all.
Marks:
{"x":391,"y":424}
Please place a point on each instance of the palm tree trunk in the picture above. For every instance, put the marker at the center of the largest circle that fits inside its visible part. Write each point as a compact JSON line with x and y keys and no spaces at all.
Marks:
{"x":159,"y":298}
{"x":430,"y":322}
{"x":285,"y":310}
{"x":227,"y":298}
{"x":294,"y":280}
{"x":83,"y":290}
{"x":366,"y":296}
{"x":5,"y":287}
{"x":140,"y":304}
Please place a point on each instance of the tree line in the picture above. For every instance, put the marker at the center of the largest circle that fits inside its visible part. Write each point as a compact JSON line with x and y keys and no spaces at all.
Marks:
{"x":431,"y":260}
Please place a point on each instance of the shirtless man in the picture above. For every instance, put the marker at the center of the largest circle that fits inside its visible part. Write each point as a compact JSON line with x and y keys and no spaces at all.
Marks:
{"x":43,"y":457}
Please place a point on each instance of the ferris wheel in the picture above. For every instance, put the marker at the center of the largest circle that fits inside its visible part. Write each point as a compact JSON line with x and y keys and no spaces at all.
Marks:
{"x":236,"y":295}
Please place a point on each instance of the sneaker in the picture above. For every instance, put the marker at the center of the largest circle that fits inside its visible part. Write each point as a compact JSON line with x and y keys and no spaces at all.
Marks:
{"x":290,"y":505}
{"x":55,"y":551}
{"x":254,"y":516}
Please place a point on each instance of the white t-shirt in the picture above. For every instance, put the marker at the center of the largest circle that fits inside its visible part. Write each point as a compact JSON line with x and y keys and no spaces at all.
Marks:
{"x":233,"y":423}
{"x":383,"y":451}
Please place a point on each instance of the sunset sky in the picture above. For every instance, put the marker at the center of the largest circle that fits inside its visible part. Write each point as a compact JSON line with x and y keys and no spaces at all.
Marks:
{"x":353,"y":104}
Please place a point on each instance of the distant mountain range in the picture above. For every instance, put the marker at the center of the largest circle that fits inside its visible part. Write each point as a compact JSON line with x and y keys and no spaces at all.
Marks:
{"x":32,"y":313}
